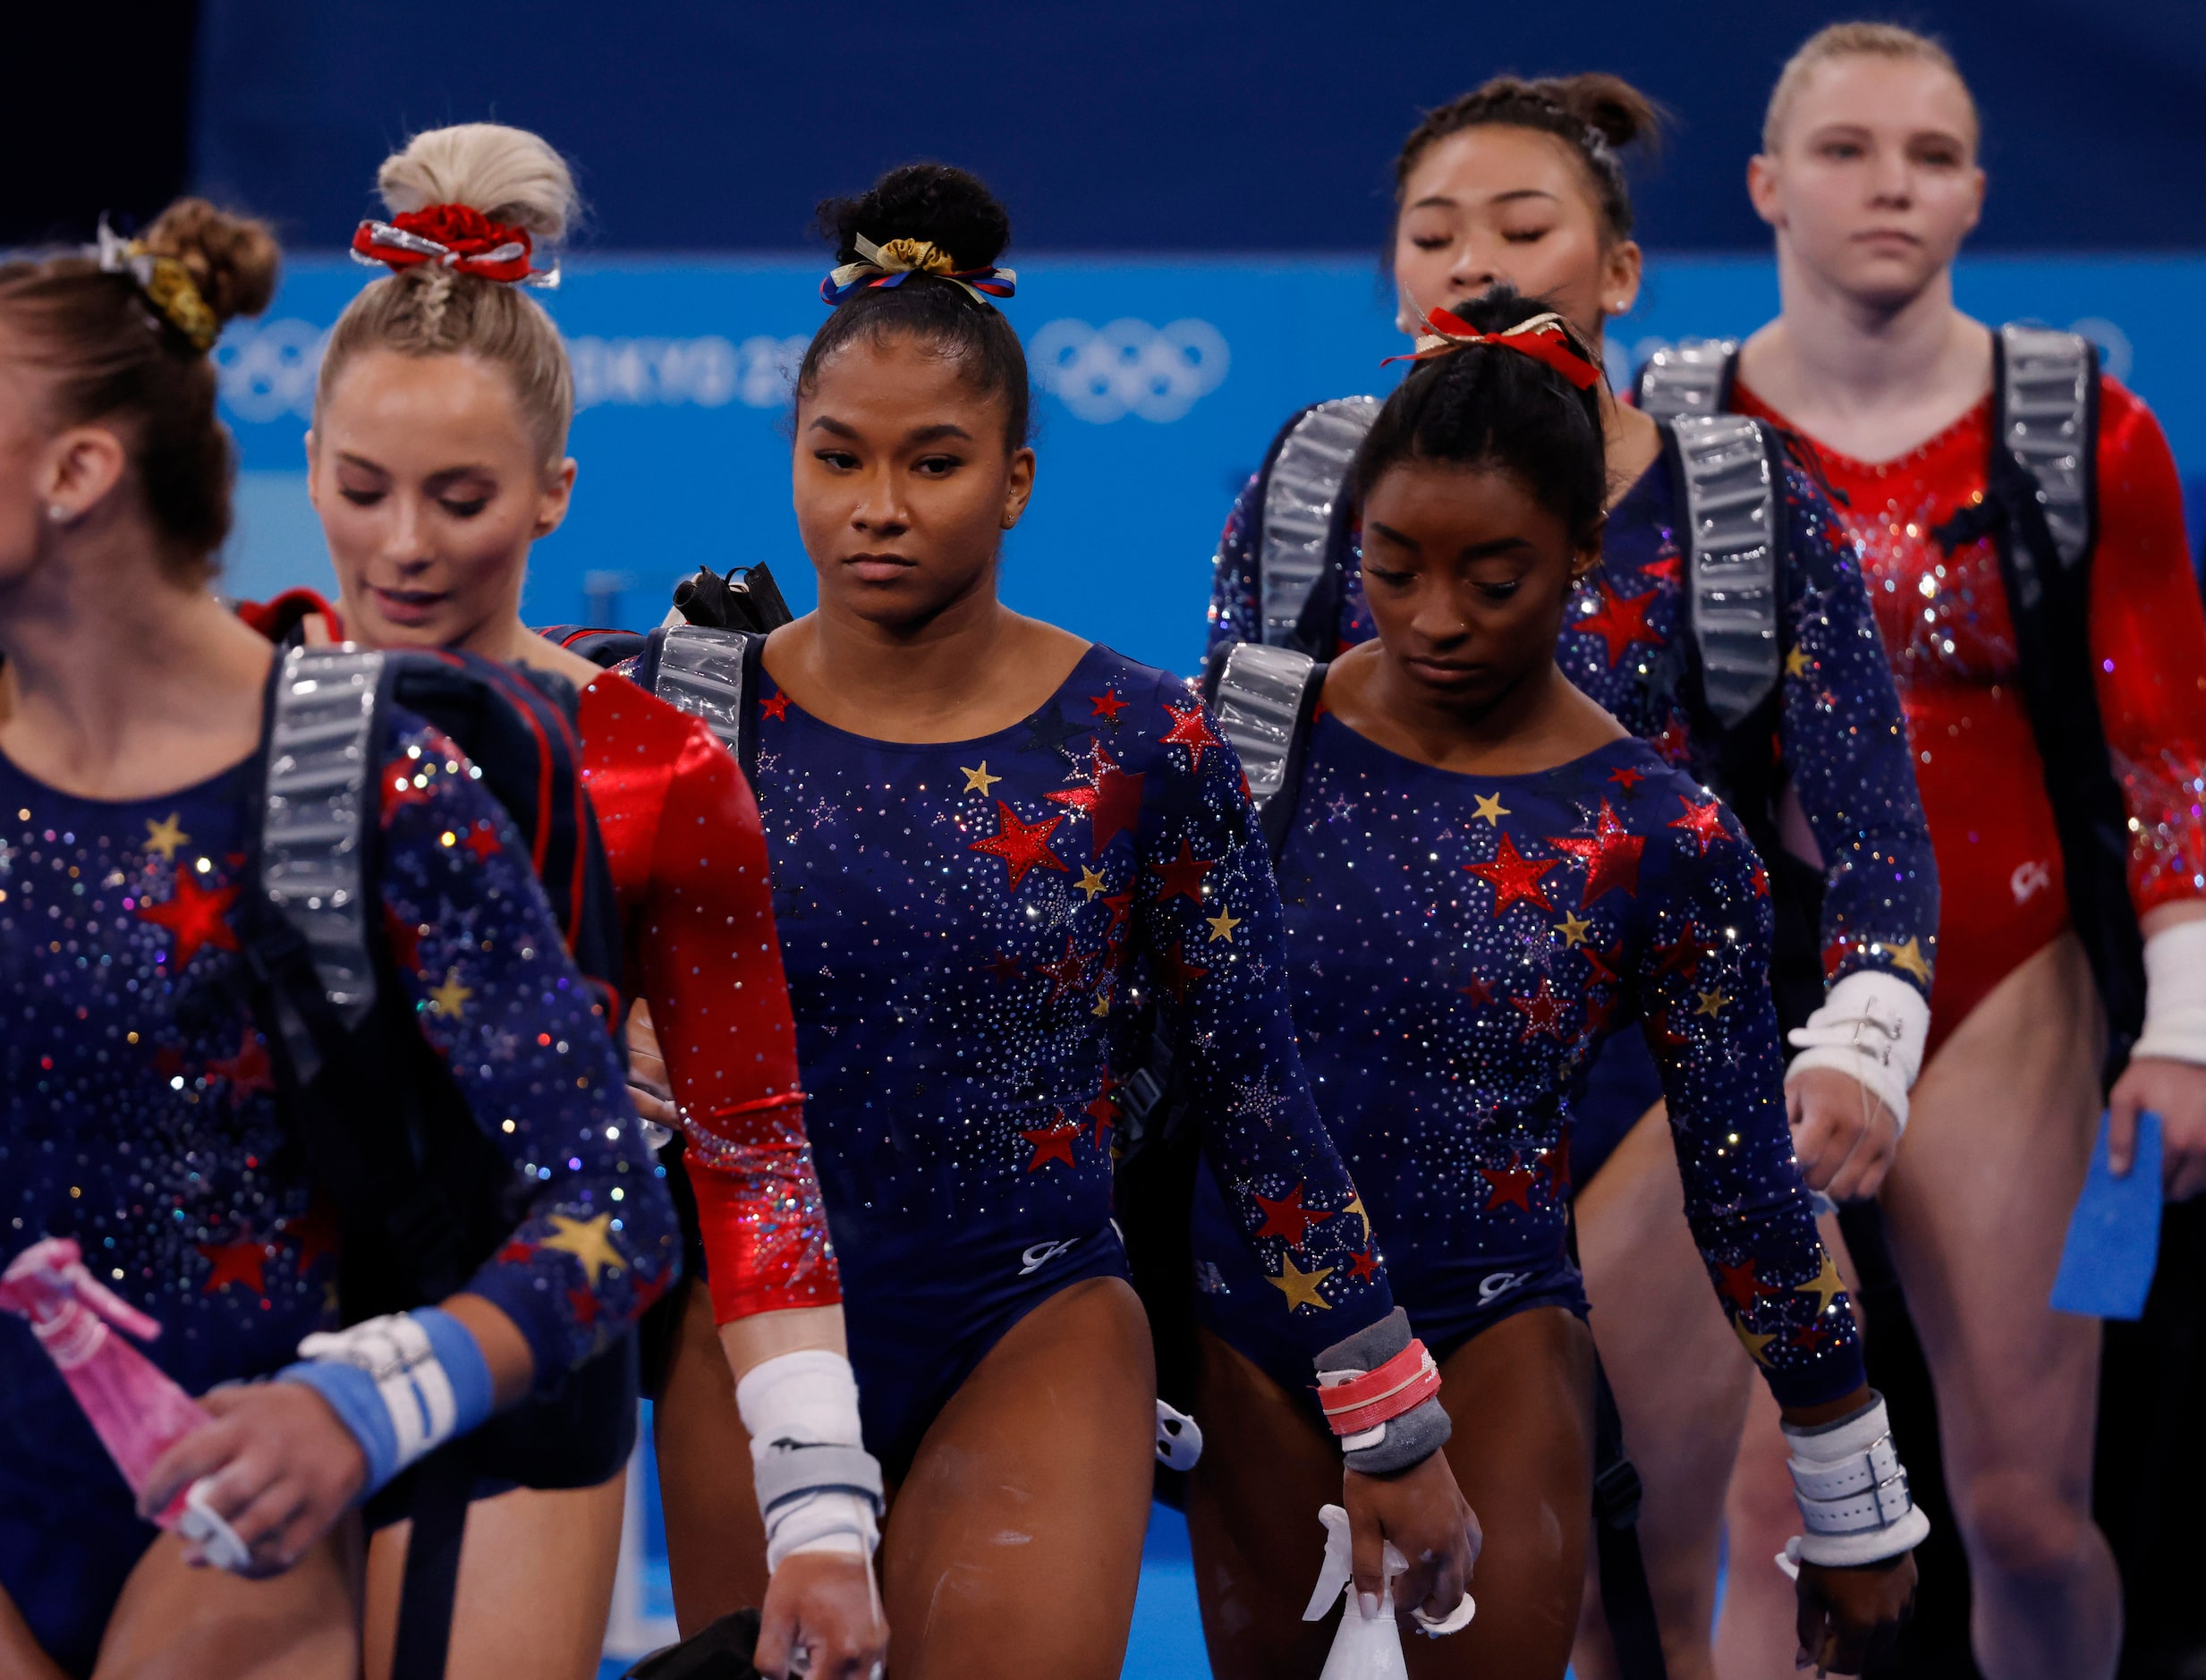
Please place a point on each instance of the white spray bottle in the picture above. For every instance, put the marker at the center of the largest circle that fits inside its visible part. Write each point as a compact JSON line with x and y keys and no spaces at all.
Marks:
{"x":1366,"y":1649}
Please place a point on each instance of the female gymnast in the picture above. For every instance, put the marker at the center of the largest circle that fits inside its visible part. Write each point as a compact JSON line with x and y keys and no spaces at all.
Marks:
{"x":138,"y":1110}
{"x":437,"y":457}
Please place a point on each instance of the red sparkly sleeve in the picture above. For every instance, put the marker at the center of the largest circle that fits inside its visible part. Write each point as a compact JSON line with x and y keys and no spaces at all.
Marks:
{"x":720,"y":1005}
{"x":2148,"y":641}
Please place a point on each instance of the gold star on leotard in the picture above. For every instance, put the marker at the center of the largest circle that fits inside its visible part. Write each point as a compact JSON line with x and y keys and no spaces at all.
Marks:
{"x":1796,"y":662}
{"x":1300,"y":1287}
{"x":1752,"y":1343}
{"x":450,"y":999}
{"x":1101,"y":1008}
{"x":1824,"y":1285}
{"x":165,"y":835}
{"x":1223,"y":924}
{"x":587,"y":1241}
{"x":979,"y":781}
{"x":1710,"y":1003}
{"x":1089,"y":882}
{"x":1909,"y":958}
{"x":1573,"y":929}
{"x":1489,"y":806}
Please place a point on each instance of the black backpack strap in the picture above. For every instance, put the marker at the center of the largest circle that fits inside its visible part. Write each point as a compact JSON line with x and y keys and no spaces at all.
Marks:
{"x":2046,"y":418}
{"x":1730,"y":473}
{"x":1265,"y":699}
{"x":1693,"y":377}
{"x":1627,"y":1602}
{"x":1301,"y":514}
{"x":442,"y":1485}
{"x":711,"y":675}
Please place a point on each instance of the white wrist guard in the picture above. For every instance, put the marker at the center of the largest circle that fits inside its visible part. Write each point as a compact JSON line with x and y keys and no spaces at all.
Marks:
{"x":2175,"y":1025}
{"x":1851,"y":1490}
{"x":819,"y":1491}
{"x":1870,"y":1028}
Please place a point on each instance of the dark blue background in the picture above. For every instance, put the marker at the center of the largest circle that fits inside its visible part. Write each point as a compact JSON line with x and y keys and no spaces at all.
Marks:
{"x":1144,"y":125}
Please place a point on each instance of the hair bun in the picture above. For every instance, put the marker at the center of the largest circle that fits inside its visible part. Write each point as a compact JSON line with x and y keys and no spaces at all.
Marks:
{"x":232,"y":260}
{"x":1611,"y":106}
{"x":508,"y":173}
{"x":952,"y":207}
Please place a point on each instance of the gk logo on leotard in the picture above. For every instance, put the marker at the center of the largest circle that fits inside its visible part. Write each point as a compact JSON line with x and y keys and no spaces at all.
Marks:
{"x":1041,"y":1253}
{"x":2030,"y":880}
{"x":1496,"y":1285}
{"x":1128,"y":367}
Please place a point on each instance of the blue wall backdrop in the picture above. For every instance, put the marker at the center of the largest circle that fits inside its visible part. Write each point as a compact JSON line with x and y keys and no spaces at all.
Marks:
{"x":1161,"y":383}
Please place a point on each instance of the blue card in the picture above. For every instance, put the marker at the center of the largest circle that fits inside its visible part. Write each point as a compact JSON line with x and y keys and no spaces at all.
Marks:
{"x":2106,"y":1269}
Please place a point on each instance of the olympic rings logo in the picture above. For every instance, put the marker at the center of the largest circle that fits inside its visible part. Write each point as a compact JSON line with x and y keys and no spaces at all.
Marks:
{"x":267,"y":370}
{"x":1128,"y":367}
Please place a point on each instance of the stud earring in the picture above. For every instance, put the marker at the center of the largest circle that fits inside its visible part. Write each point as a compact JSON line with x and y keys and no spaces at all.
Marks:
{"x":57,"y":514}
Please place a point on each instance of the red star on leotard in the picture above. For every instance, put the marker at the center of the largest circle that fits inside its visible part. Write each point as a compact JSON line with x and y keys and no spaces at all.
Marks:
{"x":404,"y":938}
{"x":238,"y":1262}
{"x":1120,"y":904}
{"x":1051,"y":1143}
{"x":196,"y":917}
{"x":1478,"y":991}
{"x":519,"y":1252}
{"x":1624,"y":776}
{"x":776,"y":708}
{"x":1005,"y":969}
{"x":1670,"y":569}
{"x":582,"y":1305}
{"x":316,"y":1232}
{"x":1069,"y":972}
{"x":1658,"y":1028}
{"x":1683,"y":955}
{"x":1608,"y":966}
{"x":483,"y":840}
{"x":1364,"y":1265}
{"x":1740,"y":1286}
{"x":1117,"y":808}
{"x":1555,"y":1167}
{"x":1544,"y":1012}
{"x":1182,"y":877}
{"x":1620,"y":620}
{"x":1190,"y":729}
{"x":1611,"y":856}
{"x":1704,"y":823}
{"x":1103,"y":1111}
{"x":1022,"y":846}
{"x":1177,"y":972}
{"x":1761,"y":879}
{"x":1514,"y":877}
{"x":1512,"y":1184}
{"x":1287,"y":1217}
{"x":1106,"y":705}
{"x":247,"y":1071}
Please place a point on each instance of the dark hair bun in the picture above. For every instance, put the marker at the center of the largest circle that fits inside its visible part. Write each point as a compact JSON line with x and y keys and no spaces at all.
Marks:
{"x":1611,"y":106}
{"x":948,"y":206}
{"x":232,"y":260}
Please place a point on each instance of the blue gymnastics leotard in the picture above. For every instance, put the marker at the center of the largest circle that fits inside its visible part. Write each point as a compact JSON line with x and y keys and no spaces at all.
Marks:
{"x":1459,"y":948}
{"x":140,"y":1118}
{"x":961,"y":924}
{"x":1841,"y":736}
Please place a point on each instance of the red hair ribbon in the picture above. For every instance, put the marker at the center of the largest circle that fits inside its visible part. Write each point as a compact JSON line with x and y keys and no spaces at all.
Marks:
{"x":1544,"y":338}
{"x":456,"y":236}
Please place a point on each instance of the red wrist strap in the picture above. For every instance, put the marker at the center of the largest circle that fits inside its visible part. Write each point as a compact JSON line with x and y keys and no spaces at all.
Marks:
{"x":1403,"y":1384}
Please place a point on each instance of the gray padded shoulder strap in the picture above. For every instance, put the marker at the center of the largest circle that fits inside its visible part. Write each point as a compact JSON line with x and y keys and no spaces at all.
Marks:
{"x":320,"y":742}
{"x":2044,"y":422}
{"x":1687,"y":378}
{"x":701,"y":669}
{"x":1307,"y":469}
{"x":1731,"y":517}
{"x":1260,"y":699}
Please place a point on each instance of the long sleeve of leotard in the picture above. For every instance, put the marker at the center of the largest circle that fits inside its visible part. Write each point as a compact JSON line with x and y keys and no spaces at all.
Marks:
{"x":1213,"y":934}
{"x":2148,"y":638}
{"x":526,"y":1038}
{"x":1235,"y":613}
{"x":1706,"y":1009}
{"x":1844,"y":741}
{"x":720,"y":1006}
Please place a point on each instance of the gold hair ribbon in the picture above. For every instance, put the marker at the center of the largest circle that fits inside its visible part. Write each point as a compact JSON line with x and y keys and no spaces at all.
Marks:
{"x":893,"y":263}
{"x":166,"y":283}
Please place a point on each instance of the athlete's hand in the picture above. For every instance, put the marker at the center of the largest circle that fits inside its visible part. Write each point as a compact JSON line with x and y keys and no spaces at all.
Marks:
{"x":1849,"y":1618}
{"x":648,"y":1086}
{"x":1843,"y":1137}
{"x":823,"y":1603}
{"x":1424,"y":1513}
{"x":283,"y":1469}
{"x":2176,"y":1092}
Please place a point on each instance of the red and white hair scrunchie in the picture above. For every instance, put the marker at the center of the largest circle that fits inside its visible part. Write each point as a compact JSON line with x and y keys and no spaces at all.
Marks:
{"x":455,"y":236}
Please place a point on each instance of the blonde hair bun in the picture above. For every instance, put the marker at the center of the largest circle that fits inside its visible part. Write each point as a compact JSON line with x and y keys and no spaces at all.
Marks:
{"x":508,"y":173}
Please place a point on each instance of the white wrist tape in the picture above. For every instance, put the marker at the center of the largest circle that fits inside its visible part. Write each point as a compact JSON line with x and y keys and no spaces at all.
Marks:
{"x":819,"y":1491}
{"x":1851,"y":1490}
{"x":1871,"y":1028}
{"x":2175,"y":1025}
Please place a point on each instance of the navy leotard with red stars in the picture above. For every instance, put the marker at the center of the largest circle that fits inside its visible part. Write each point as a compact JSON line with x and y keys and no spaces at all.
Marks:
{"x":1460,"y":945}
{"x":138,"y":1116}
{"x":963,"y":925}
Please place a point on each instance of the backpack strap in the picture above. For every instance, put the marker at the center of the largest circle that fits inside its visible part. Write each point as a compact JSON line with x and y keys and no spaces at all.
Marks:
{"x":1728,"y":470}
{"x":711,"y":675}
{"x":1693,"y":376}
{"x":1302,"y":512}
{"x":1265,"y":699}
{"x":2045,"y":401}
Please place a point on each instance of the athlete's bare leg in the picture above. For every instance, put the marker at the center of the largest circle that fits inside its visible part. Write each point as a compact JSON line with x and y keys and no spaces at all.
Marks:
{"x":1682,"y":1383}
{"x":535,"y":1588}
{"x":1013,"y":1544}
{"x":21,"y":1658}
{"x":176,"y":1622}
{"x":1521,"y":1399}
{"x":1977,"y":1205}
{"x":715,"y":1541}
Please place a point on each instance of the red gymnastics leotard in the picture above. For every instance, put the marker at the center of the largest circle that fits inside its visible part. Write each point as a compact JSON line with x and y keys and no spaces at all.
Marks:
{"x":689,"y":868}
{"x":1950,"y":639}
